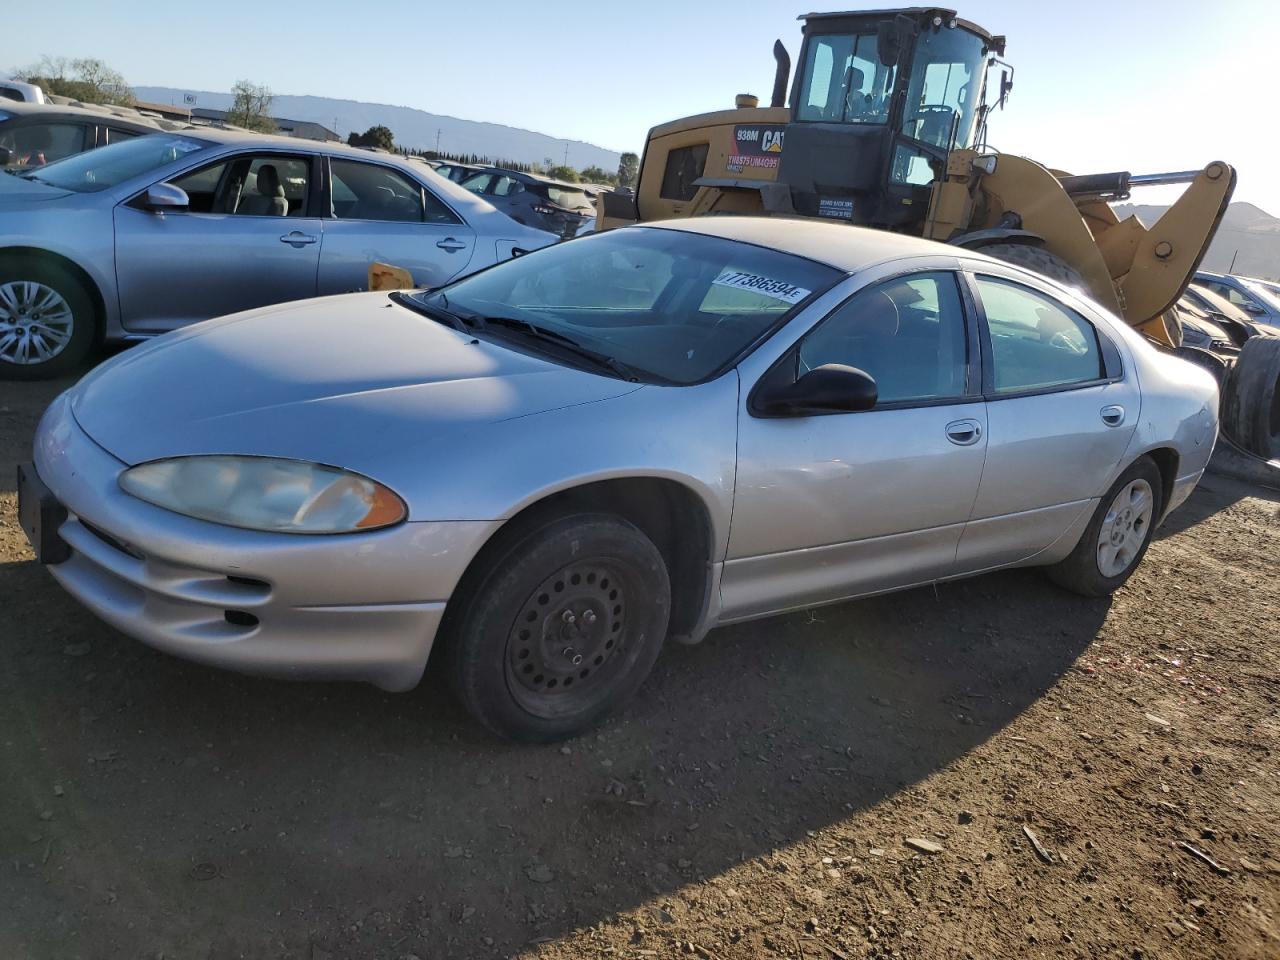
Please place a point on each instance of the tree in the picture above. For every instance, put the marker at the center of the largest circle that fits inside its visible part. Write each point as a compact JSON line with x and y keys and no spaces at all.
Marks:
{"x":85,"y":79}
{"x":251,"y":108}
{"x":628,"y":170}
{"x":594,"y":174}
{"x":562,"y":172}
{"x":376,"y":136}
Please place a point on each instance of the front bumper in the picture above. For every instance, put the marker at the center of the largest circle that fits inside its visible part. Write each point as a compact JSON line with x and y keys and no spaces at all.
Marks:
{"x":360,"y":606}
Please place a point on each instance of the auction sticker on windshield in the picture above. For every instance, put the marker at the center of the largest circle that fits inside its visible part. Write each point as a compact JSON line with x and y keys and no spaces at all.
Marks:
{"x":765,"y":286}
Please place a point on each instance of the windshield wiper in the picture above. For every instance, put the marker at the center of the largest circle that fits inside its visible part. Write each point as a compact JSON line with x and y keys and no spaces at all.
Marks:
{"x":432,"y":311}
{"x":566,"y":343}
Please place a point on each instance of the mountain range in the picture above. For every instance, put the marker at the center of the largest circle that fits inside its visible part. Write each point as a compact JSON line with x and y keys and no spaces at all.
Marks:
{"x":1247,"y":236}
{"x":412,"y":128}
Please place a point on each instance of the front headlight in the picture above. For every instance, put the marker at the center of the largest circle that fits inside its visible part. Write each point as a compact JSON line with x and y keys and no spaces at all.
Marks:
{"x":261,"y":493}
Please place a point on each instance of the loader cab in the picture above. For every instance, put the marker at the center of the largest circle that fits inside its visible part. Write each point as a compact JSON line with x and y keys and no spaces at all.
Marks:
{"x":878,"y":101}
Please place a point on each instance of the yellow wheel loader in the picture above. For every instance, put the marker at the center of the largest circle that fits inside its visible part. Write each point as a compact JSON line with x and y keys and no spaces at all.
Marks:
{"x":887,"y":128}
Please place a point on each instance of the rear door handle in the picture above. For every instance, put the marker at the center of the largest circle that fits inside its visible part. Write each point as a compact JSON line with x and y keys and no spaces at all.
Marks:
{"x":964,"y":433}
{"x":452,"y":245}
{"x":1113,"y":415}
{"x":298,"y":239}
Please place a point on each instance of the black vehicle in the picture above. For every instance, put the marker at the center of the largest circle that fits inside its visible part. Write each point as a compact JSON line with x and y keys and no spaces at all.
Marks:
{"x":562,"y":208}
{"x":33,"y":134}
{"x":457,"y":172}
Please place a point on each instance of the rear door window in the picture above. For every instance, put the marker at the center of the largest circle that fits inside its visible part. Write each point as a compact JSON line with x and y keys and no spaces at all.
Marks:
{"x":1036,"y":342}
{"x":478,"y":183}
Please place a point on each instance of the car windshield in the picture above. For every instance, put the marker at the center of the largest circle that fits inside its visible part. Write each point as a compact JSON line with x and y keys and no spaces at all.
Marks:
{"x":674,"y":307}
{"x":1268,"y":293}
{"x":111,"y":165}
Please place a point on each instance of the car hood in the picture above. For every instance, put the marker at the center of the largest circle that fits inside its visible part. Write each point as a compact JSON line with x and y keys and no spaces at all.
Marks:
{"x":347,"y":380}
{"x":19,"y":190}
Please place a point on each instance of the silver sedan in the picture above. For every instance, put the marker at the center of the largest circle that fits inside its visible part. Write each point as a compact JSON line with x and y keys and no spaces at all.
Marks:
{"x":140,"y":237}
{"x":550,"y":468}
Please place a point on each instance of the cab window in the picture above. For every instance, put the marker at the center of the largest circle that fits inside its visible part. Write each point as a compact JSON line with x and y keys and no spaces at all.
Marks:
{"x":844,"y":80}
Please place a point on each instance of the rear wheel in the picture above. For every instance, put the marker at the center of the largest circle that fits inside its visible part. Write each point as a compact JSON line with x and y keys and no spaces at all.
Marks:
{"x":1118,"y":535}
{"x":1036,"y":259}
{"x":563,"y":627}
{"x":47,"y":320}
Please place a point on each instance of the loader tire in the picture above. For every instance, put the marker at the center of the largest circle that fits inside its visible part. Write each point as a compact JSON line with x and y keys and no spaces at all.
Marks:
{"x":1038,"y":260}
{"x":1251,"y":400}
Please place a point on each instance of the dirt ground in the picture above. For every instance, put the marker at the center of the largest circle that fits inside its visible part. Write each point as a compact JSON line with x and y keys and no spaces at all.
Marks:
{"x":756,"y":800}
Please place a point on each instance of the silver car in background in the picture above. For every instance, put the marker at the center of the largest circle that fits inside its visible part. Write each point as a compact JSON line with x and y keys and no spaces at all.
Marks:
{"x":546,"y":469}
{"x":144,"y":236}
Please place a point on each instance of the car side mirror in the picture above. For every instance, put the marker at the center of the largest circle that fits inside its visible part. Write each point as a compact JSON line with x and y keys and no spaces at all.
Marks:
{"x":1253,"y":309}
{"x":6,"y":156}
{"x":165,"y":196}
{"x":830,"y":388}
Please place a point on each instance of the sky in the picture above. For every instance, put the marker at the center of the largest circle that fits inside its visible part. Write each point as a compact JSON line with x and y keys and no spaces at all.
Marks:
{"x":1141,"y":85}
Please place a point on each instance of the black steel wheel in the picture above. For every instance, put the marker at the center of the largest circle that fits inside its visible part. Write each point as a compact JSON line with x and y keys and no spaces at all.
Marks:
{"x":560,"y":628}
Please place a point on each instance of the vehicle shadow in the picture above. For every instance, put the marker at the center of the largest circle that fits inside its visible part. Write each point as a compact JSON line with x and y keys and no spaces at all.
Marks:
{"x":1213,"y":494}
{"x":207,"y":814}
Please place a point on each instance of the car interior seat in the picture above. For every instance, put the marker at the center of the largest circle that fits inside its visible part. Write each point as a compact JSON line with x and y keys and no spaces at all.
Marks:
{"x":268,"y":199}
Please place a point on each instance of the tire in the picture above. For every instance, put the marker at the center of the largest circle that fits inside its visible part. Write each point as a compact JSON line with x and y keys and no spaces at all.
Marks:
{"x":1092,"y":569}
{"x":1038,"y":260}
{"x":561,"y":628}
{"x":28,"y":287}
{"x":1251,"y":399}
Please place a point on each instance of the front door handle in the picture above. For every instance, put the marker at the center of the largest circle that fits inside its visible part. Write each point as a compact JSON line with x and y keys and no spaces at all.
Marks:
{"x":964,"y":433}
{"x":297,"y":239}
{"x":452,"y":245}
{"x":1113,"y":415}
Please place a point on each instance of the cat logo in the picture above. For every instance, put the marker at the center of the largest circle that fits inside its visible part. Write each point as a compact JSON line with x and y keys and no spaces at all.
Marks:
{"x":771,"y":142}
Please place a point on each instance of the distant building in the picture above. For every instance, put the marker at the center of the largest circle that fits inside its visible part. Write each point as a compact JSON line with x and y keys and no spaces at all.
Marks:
{"x":302,"y":129}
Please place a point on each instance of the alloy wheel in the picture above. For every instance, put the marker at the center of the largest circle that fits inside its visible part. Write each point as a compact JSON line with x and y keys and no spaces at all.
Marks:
{"x":1125,"y":528}
{"x":36,"y":322}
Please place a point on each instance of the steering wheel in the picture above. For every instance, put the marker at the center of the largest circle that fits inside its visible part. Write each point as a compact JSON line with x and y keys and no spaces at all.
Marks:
{"x":929,"y":116}
{"x":1061,"y":341}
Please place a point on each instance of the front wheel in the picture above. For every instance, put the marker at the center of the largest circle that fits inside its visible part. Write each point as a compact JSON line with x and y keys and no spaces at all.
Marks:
{"x":1038,"y":260}
{"x":1118,"y":535}
{"x":562,"y":628}
{"x":47,"y":321}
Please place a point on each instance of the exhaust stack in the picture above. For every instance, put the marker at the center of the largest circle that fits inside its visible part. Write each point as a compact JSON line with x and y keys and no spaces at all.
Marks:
{"x":781,"y":76}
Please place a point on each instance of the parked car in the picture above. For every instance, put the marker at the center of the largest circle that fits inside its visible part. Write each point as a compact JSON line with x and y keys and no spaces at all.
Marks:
{"x":535,"y":467}
{"x":562,"y":208}
{"x":457,"y":172}
{"x":32,"y":135}
{"x":1239,"y":325}
{"x":141,"y":237}
{"x":20,"y":91}
{"x":1252,"y":296}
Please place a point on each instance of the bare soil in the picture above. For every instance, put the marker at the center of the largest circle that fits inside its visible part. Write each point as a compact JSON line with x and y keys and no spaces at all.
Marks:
{"x":759,"y":798}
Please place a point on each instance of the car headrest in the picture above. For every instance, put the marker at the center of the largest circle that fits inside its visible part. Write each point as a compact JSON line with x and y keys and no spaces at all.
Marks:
{"x":269,"y":181}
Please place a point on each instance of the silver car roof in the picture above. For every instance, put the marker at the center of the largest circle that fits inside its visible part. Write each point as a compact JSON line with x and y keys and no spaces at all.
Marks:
{"x":838,"y":245}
